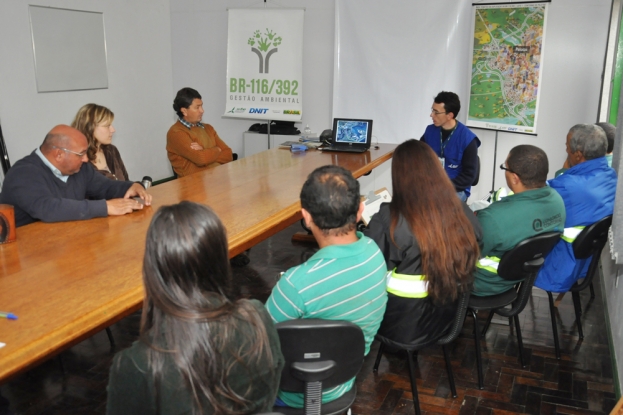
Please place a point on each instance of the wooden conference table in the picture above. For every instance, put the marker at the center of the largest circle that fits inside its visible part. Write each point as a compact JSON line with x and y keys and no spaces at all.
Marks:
{"x":66,"y":281}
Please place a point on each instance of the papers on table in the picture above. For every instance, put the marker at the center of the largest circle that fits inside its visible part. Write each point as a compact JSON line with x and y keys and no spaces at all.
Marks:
{"x":372,"y":203}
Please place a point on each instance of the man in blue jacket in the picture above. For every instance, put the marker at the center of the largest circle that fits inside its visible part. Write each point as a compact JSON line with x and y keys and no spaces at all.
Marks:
{"x":588,"y":190}
{"x":455,"y":145}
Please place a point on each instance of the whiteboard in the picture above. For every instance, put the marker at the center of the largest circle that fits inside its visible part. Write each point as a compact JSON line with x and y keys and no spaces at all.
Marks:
{"x":69,"y":48}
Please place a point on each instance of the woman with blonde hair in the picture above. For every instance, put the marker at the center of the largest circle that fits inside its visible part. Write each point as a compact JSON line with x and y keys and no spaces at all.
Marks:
{"x":95,"y":122}
{"x":201,"y":350}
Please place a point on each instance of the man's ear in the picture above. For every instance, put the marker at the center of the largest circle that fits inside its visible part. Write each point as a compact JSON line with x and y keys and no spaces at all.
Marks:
{"x":307,"y":218}
{"x":184,"y":111}
{"x":360,"y":211}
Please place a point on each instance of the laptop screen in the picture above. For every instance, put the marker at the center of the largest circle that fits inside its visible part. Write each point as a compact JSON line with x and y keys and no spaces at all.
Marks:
{"x":352,"y":131}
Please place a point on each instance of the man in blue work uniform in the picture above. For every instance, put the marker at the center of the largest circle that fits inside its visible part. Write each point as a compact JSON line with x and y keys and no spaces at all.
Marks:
{"x":455,"y":145}
{"x":588,"y":190}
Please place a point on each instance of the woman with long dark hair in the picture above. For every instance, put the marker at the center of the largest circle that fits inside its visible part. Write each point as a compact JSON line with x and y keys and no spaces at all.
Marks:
{"x":201,"y":350}
{"x":428,"y":238}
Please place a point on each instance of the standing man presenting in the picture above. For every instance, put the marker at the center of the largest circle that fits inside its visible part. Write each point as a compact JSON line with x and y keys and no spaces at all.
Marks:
{"x":455,"y":145}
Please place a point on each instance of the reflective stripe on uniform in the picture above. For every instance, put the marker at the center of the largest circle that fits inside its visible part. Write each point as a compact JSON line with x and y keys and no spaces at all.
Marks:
{"x":489,"y":263}
{"x":569,"y":234}
{"x":409,"y":286}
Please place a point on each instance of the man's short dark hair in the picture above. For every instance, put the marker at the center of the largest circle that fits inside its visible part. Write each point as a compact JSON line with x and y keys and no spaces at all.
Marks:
{"x":611,"y":132}
{"x":331,"y":196}
{"x":530,"y":164}
{"x":450,"y":101}
{"x":183,"y":99}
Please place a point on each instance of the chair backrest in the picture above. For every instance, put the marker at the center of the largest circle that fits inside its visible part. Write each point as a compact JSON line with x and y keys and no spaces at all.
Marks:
{"x":523,"y":263}
{"x":319,"y":343}
{"x":459,"y":318}
{"x":527,"y":257}
{"x":477,"y":178}
{"x":590,"y":242}
{"x":592,"y":239}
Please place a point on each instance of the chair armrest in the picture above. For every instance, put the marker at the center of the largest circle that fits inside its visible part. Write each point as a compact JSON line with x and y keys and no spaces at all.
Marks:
{"x":312,"y":371}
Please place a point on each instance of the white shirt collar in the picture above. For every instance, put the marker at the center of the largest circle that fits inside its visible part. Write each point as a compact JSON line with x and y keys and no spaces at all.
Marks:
{"x":56,"y":171}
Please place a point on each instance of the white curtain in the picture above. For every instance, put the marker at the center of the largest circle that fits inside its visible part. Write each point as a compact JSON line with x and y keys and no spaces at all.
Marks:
{"x":393,"y":57}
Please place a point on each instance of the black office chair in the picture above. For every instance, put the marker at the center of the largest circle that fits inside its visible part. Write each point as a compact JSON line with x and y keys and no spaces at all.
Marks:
{"x":411,"y":349}
{"x":522,"y":263}
{"x":477,"y":179}
{"x":319,"y":354}
{"x":588,"y":243}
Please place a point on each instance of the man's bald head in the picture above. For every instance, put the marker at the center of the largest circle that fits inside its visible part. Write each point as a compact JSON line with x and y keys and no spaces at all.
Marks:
{"x":63,"y":136}
{"x":66,"y":148}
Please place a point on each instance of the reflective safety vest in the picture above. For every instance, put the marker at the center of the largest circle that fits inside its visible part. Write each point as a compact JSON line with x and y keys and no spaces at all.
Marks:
{"x":489,"y":263}
{"x":569,"y":234}
{"x":404,"y":285}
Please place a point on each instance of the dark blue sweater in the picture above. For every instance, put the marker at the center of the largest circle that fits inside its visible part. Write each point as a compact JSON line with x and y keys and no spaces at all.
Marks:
{"x":38,"y":194}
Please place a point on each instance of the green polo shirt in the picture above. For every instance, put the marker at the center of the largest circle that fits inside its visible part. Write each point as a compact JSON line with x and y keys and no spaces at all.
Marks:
{"x":511,"y":220}
{"x":340,"y":282}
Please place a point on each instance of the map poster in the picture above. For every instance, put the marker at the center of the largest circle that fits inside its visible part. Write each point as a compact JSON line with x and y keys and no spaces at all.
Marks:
{"x":506,"y":67}
{"x":265,"y":64}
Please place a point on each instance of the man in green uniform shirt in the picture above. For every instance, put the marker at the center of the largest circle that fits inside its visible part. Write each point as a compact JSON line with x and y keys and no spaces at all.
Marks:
{"x":534,"y":208}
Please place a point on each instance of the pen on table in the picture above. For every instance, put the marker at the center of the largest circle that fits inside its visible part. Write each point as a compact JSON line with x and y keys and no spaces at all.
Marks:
{"x":10,"y":316}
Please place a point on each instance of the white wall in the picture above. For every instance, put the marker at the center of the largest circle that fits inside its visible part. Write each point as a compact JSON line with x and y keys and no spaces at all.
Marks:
{"x":138,"y":43}
{"x":199,"y":38}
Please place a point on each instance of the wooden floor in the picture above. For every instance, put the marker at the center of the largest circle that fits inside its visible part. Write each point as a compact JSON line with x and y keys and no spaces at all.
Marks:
{"x":580,"y":383}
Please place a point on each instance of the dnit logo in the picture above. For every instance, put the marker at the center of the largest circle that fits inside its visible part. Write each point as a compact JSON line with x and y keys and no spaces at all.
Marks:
{"x":264,"y":42}
{"x":258,"y":110}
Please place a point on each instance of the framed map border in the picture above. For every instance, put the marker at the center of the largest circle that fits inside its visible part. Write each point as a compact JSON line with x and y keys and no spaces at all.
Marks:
{"x":514,"y":69}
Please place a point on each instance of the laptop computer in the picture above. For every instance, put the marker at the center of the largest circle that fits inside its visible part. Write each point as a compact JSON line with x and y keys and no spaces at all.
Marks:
{"x":350,"y":135}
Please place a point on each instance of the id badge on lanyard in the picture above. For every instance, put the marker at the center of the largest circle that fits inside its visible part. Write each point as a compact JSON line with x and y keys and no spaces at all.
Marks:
{"x":442,"y":147}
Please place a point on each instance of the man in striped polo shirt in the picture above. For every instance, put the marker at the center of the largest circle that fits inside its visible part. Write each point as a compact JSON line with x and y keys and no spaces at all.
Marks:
{"x":345,"y":279}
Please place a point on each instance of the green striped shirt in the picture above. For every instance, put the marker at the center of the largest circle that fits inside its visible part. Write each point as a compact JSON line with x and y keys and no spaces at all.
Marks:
{"x":340,"y":282}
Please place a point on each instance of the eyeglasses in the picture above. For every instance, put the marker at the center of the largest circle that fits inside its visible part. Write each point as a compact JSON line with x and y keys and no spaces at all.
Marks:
{"x":72,"y":152}
{"x":437,"y":112}
{"x":507,"y":169}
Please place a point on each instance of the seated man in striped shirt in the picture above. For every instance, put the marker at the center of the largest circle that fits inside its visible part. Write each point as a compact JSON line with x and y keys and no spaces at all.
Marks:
{"x":345,"y":279}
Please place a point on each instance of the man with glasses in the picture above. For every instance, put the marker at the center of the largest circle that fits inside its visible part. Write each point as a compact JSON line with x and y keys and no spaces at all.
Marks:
{"x":55,"y":184}
{"x":455,"y":145}
{"x":587,"y":189}
{"x":533,"y":208}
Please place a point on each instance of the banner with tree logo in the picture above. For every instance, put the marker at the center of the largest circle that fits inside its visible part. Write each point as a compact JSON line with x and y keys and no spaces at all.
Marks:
{"x":265,"y":64}
{"x":506,"y":66}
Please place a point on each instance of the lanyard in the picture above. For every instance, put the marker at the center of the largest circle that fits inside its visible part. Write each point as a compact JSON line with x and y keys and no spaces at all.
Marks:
{"x":442,"y":146}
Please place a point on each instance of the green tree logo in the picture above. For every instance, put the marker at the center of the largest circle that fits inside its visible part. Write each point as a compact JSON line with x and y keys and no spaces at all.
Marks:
{"x":264,"y":43}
